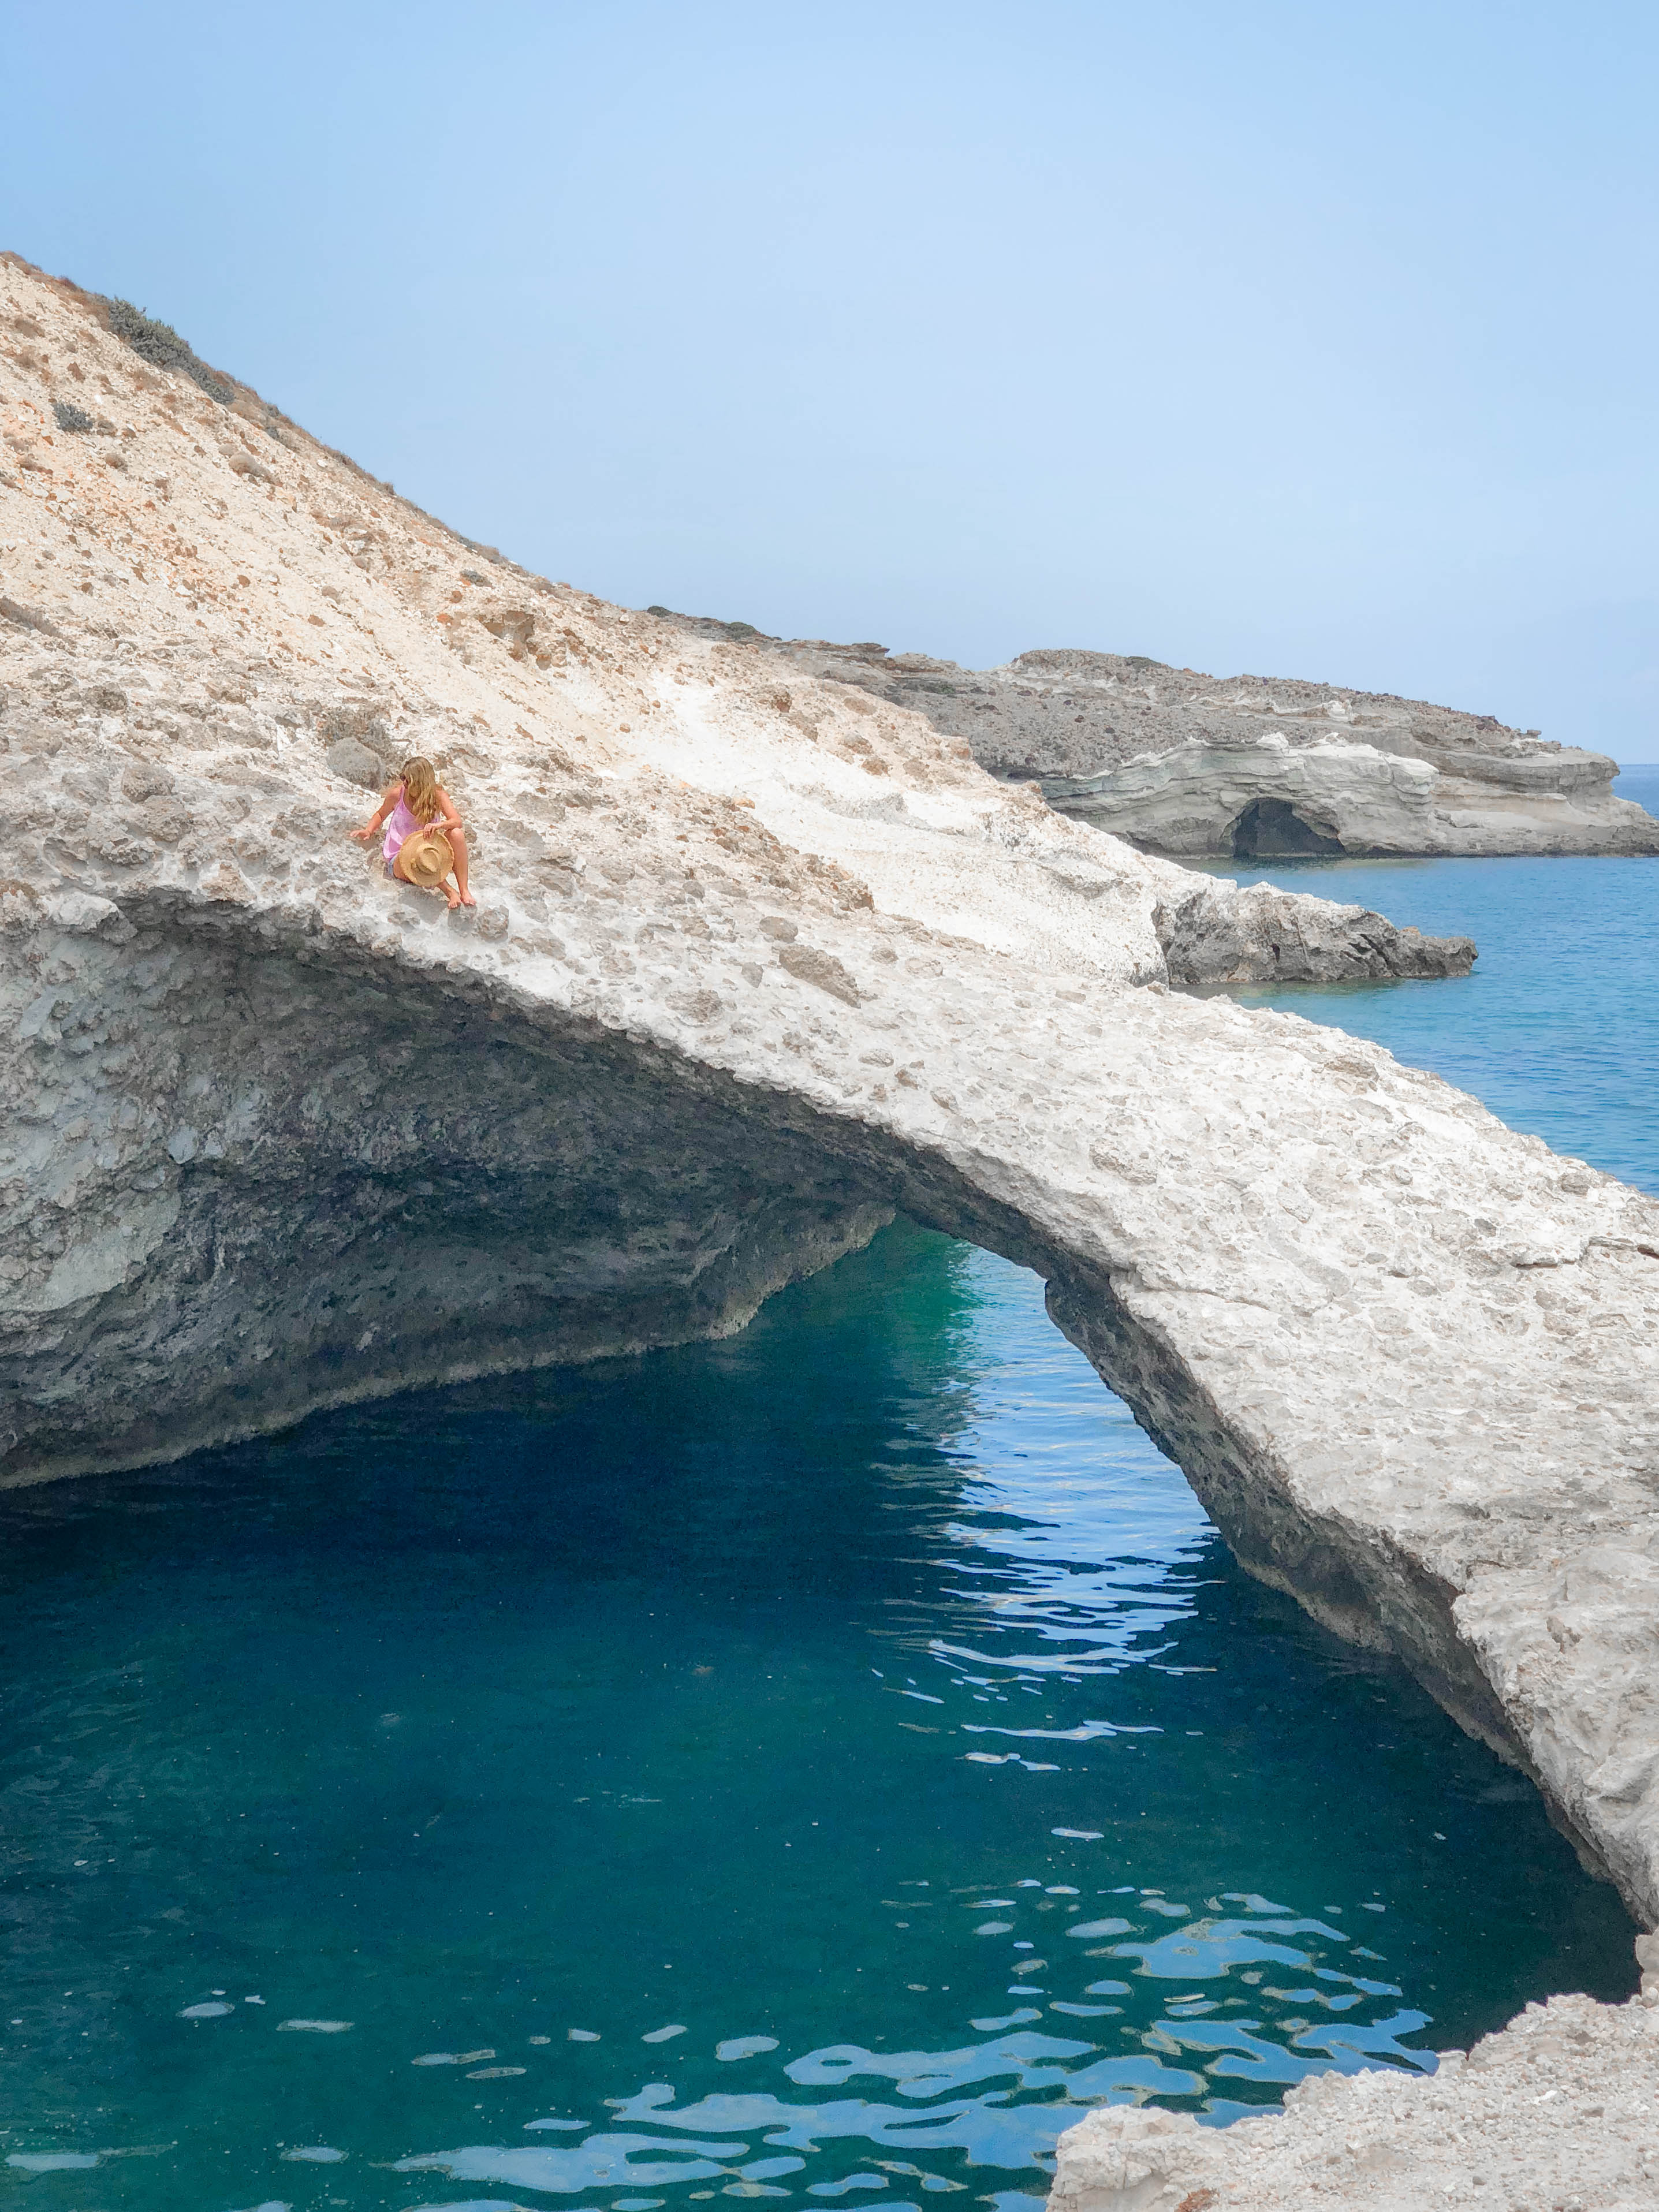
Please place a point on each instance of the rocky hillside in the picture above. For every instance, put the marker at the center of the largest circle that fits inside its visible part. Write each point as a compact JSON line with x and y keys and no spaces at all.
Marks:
{"x":1065,"y":712}
{"x":1207,"y":750}
{"x":184,"y":570}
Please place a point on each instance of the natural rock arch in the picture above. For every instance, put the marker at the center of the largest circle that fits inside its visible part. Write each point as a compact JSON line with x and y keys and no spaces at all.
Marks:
{"x":359,"y":1173}
{"x":760,"y":958}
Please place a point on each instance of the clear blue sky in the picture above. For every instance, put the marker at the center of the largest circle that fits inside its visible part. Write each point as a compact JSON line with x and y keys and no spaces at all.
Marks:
{"x":1300,"y":339}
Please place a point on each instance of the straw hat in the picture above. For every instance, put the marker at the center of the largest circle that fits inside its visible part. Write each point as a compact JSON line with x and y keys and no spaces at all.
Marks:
{"x":425,"y":858}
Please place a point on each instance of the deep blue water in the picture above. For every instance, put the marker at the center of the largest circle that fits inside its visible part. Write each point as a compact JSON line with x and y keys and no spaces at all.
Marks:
{"x":1557,"y":1028}
{"x":803,"y":1767}
{"x":1640,"y":781}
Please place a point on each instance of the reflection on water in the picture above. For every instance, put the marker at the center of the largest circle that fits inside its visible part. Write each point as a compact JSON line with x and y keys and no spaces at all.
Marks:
{"x":989,"y":2128}
{"x":808,"y":1766}
{"x":1025,"y":2086}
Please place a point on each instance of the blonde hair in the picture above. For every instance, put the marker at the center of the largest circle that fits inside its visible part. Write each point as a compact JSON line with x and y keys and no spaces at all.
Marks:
{"x":420,"y":787}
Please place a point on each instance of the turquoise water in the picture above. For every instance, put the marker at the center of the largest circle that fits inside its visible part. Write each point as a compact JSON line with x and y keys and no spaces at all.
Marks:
{"x":1557,"y":1029}
{"x":806,"y":1767}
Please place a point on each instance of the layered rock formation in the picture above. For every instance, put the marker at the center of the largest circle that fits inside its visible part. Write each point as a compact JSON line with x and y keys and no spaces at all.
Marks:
{"x":1270,"y":799}
{"x":1243,"y":768}
{"x":757,"y":960}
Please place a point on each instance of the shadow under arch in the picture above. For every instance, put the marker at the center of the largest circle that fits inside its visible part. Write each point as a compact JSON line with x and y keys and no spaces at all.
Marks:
{"x":383,"y":1185}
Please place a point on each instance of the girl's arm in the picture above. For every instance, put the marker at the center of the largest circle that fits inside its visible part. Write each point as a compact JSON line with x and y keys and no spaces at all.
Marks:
{"x":377,"y":816}
{"x":446,"y":813}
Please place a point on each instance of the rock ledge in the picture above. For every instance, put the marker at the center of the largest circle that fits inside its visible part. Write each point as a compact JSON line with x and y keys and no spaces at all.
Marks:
{"x":1559,"y":2113}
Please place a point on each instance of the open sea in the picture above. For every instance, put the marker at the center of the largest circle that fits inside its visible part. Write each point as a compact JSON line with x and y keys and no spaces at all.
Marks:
{"x":808,"y":1767}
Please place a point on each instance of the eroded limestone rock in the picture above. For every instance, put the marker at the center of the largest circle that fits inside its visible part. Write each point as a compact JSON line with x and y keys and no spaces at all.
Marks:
{"x":1268,"y":798}
{"x":754,"y":963}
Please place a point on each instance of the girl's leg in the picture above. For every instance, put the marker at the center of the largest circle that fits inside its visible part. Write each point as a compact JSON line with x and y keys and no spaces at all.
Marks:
{"x":458,"y":845}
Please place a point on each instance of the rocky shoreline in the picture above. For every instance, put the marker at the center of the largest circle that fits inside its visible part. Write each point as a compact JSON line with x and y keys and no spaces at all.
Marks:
{"x":759,"y":959}
{"x":1557,"y":2112}
{"x":1242,"y":767}
{"x":1268,"y":798}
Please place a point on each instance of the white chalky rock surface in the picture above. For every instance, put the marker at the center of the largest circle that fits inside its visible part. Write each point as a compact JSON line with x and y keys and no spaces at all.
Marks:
{"x":756,"y":961}
{"x":1559,"y":2113}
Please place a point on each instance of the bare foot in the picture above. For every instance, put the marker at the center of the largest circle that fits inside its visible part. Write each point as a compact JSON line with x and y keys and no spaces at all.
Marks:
{"x":466,"y":899}
{"x":454,"y":898}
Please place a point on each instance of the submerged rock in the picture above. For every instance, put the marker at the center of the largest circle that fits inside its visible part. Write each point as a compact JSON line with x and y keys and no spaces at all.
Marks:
{"x":757,"y":960}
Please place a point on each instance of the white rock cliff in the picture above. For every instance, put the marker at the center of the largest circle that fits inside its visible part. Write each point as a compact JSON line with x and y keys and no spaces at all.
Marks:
{"x":757,"y":961}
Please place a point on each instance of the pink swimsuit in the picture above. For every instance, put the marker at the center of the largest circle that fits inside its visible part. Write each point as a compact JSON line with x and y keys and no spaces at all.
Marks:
{"x":400,"y":823}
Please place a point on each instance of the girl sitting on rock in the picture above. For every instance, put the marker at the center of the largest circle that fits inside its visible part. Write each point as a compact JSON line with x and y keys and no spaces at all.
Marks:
{"x":424,"y":838}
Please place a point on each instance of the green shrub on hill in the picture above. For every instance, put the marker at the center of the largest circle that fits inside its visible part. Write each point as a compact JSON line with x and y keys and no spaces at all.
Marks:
{"x":161,"y":346}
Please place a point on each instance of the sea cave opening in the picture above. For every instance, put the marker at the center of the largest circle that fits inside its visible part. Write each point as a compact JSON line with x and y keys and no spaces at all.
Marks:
{"x":1272,"y":830}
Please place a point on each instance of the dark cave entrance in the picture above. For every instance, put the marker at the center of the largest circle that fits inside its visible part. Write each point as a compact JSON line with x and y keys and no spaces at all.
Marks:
{"x":1272,"y":830}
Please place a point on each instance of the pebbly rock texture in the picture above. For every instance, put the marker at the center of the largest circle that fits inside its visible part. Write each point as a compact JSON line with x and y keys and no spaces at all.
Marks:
{"x":756,"y":961}
{"x":1243,"y":768}
{"x":1559,"y":2113}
